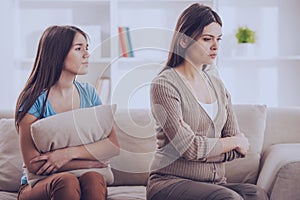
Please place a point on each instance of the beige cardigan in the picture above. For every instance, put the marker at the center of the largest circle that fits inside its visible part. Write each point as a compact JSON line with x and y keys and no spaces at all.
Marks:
{"x":187,"y":138}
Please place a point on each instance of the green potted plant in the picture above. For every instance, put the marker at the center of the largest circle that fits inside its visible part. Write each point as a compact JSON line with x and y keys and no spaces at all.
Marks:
{"x":245,"y":35}
{"x":245,"y":39}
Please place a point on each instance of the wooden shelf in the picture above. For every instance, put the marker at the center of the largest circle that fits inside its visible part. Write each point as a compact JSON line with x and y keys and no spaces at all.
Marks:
{"x":259,"y":59}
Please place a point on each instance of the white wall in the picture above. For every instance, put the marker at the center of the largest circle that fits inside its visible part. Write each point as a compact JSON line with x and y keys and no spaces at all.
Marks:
{"x":247,"y":83}
{"x":270,"y":76}
{"x":8,"y":70}
{"x":289,"y":42}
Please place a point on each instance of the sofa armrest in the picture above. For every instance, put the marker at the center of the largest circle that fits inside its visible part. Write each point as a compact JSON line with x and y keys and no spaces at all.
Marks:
{"x":286,"y":185}
{"x":274,"y":158}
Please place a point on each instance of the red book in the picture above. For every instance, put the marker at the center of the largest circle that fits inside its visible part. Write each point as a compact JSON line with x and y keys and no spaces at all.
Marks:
{"x":122,"y":35}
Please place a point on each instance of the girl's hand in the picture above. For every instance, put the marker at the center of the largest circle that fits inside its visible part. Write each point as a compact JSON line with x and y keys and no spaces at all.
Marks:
{"x":54,"y":160}
{"x":243,"y":144}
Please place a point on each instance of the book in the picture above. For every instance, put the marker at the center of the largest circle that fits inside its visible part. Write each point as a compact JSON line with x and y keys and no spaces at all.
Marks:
{"x":125,"y":42}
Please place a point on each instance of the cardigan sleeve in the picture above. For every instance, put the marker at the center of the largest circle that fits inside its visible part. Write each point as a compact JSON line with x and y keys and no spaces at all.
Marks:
{"x":167,"y":111}
{"x":230,"y":128}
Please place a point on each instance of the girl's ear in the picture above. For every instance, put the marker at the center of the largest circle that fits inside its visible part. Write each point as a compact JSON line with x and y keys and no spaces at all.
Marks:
{"x":184,"y":41}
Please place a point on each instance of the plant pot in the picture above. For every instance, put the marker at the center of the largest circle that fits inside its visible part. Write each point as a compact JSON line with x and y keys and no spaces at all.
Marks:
{"x":245,"y":49}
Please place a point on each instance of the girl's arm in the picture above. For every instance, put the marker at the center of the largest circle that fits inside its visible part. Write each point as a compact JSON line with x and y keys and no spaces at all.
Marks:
{"x":78,"y":157}
{"x":27,"y":147}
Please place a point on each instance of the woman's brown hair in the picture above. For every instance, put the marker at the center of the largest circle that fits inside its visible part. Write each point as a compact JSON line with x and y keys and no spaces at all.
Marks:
{"x":190,"y":25}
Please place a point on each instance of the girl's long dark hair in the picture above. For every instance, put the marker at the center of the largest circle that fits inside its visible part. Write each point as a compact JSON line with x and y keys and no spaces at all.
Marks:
{"x":53,"y":48}
{"x":190,"y":25}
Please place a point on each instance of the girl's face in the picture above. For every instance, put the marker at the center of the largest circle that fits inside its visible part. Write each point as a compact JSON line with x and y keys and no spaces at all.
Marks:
{"x":76,"y":61}
{"x":205,"y":49}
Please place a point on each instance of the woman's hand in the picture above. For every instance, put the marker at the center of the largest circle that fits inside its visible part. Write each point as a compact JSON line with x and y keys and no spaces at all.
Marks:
{"x":243,"y":144}
{"x":53,"y":161}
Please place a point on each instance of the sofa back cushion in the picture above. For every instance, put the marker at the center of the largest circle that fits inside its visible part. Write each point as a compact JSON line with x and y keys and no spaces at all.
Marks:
{"x":252,"y":122}
{"x":282,"y":126}
{"x":10,"y":157}
{"x":135,"y":130}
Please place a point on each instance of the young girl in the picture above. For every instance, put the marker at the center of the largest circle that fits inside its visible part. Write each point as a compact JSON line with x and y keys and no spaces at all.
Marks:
{"x":196,"y":128}
{"x":51,"y":88}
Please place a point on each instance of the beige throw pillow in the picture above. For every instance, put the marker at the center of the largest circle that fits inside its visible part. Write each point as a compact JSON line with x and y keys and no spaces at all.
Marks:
{"x":73,"y":128}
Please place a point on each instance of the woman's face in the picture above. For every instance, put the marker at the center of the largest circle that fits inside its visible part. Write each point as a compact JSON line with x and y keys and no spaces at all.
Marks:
{"x":205,"y":49}
{"x":76,"y":61}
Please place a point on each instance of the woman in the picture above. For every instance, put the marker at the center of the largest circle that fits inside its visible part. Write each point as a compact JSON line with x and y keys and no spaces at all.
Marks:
{"x":196,"y":128}
{"x":51,"y":88}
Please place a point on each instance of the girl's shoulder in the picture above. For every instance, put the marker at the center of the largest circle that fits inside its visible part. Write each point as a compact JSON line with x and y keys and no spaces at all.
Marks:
{"x":84,"y":86}
{"x":88,"y":94}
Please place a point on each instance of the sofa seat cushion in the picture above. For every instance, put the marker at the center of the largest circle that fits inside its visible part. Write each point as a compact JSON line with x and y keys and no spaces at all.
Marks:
{"x":274,"y":158}
{"x":126,"y":193}
{"x":8,"y":195}
{"x":10,"y":157}
{"x":114,"y":193}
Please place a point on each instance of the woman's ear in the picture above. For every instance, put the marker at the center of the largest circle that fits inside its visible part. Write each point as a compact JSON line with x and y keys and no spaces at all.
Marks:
{"x":183,"y":41}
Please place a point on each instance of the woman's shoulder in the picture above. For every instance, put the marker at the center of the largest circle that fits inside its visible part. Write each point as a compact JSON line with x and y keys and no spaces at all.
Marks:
{"x":167,"y":76}
{"x":213,"y":72}
{"x":216,"y":79}
{"x":167,"y":81}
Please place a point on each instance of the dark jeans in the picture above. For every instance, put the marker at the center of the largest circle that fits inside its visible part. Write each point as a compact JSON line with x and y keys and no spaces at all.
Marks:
{"x":90,"y":185}
{"x":192,"y":190}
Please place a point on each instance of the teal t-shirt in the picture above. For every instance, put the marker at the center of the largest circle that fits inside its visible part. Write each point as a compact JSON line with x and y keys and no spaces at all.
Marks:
{"x":88,"y":98}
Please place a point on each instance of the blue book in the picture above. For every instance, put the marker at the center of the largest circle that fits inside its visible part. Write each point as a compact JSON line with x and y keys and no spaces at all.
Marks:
{"x":129,"y":44}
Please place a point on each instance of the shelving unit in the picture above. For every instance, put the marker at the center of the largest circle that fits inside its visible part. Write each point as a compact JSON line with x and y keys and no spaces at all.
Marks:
{"x":268,"y":76}
{"x":151,"y":26}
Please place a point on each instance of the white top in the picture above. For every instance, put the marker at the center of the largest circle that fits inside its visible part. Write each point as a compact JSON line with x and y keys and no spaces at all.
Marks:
{"x":210,"y":108}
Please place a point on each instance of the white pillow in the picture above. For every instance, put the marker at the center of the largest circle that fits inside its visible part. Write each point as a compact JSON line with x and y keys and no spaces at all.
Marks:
{"x":73,"y":128}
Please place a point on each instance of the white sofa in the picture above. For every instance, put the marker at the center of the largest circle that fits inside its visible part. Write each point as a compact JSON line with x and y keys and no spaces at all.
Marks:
{"x":272,"y":163}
